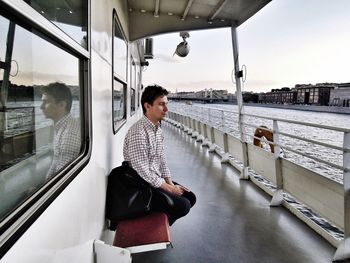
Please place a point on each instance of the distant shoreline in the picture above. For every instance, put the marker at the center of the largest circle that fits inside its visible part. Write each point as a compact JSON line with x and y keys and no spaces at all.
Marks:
{"x":328,"y":109}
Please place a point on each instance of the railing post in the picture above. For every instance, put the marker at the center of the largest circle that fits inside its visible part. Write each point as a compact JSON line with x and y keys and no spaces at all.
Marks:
{"x":190,"y":124}
{"x":195,"y":132}
{"x":212,"y":147}
{"x":343,"y":251}
{"x":244,"y":174}
{"x":277,"y":197}
{"x":182,"y":122}
{"x":226,"y":156}
{"x":200,"y":137}
{"x":186,"y":127}
{"x":206,"y":142}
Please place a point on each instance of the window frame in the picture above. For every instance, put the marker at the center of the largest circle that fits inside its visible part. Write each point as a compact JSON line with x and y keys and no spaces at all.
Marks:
{"x":133,"y":86}
{"x":116,"y":126}
{"x":120,"y":123}
{"x":21,"y":218}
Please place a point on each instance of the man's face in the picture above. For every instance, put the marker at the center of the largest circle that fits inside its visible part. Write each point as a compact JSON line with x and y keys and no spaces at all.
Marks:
{"x":52,"y":109}
{"x":158,"y":110}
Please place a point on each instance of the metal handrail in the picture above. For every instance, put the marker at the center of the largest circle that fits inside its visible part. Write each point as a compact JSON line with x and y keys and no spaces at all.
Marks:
{"x":313,"y":141}
{"x":316,"y":159}
{"x":298,"y":137}
{"x":337,"y":129}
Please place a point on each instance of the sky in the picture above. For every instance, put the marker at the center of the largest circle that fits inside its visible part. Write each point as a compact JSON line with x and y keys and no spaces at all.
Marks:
{"x":286,"y":43}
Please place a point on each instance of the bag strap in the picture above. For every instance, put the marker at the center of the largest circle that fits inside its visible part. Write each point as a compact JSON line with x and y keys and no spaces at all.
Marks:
{"x":126,"y":163}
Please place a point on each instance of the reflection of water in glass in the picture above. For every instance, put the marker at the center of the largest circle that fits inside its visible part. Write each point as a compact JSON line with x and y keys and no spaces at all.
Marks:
{"x":117,"y":104}
{"x":21,"y":119}
{"x":118,"y":109}
{"x":228,"y":122}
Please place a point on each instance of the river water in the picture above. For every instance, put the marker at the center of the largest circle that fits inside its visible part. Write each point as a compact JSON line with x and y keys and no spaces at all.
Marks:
{"x":228,"y":122}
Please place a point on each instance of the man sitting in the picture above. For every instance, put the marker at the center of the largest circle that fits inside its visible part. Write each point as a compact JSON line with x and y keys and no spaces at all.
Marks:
{"x":144,"y":150}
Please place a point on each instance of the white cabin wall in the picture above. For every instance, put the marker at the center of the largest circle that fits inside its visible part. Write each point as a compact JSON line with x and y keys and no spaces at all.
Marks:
{"x":77,"y":215}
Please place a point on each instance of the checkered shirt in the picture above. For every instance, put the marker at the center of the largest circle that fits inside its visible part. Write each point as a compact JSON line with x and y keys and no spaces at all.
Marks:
{"x":144,"y":150}
{"x":66,"y":143}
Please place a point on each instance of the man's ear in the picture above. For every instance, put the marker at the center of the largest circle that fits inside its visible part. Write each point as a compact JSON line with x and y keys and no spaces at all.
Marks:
{"x":147,"y":105}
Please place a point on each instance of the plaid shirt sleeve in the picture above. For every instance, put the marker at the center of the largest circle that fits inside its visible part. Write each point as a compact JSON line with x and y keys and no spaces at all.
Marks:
{"x":136,"y":151}
{"x":163,"y":165}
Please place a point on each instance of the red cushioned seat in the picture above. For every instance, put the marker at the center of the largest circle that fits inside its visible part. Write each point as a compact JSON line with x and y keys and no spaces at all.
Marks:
{"x":149,"y":229}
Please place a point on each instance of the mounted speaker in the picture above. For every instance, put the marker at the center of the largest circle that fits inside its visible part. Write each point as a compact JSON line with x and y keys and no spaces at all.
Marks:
{"x":149,"y":48}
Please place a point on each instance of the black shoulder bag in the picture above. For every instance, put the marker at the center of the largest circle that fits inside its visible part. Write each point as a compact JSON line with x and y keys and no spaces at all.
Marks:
{"x":128,"y":195}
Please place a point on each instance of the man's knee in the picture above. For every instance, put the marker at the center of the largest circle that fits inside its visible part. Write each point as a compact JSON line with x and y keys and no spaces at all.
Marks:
{"x":191,"y":197}
{"x":182,"y":208}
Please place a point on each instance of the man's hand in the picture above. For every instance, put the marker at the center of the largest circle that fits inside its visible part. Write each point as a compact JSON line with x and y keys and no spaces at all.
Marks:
{"x":175,"y":189}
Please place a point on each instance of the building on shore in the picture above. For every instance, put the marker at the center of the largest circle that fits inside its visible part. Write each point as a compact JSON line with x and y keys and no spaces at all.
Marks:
{"x":279,"y":96}
{"x":340,"y":95}
{"x":320,"y":94}
{"x":206,"y":94}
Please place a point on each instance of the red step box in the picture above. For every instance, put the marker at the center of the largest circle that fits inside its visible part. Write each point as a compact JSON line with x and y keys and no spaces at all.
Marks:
{"x":149,"y":230}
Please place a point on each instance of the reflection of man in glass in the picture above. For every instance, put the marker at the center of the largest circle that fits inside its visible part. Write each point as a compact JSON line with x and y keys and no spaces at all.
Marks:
{"x":56,"y":105}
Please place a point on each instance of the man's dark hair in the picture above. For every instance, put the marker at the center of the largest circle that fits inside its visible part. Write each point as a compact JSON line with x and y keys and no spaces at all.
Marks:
{"x":60,"y":92}
{"x":150,"y":94}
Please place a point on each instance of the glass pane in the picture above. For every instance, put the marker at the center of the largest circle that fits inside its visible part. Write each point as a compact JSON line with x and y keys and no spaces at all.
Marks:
{"x":40,"y":111}
{"x":70,"y":16}
{"x":119,"y":53}
{"x":133,"y":98}
{"x":119,"y":106}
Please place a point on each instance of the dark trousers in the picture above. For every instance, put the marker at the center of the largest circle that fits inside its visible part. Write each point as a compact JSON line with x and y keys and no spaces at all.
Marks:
{"x":173,"y":205}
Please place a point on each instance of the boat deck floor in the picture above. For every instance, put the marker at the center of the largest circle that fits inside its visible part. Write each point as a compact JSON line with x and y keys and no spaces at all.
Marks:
{"x":232,"y":220}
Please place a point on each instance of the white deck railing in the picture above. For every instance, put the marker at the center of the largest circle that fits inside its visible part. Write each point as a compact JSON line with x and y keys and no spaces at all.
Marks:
{"x":324,"y":195}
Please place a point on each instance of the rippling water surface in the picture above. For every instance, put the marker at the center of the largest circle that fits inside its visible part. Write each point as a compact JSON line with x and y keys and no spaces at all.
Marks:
{"x":228,"y":121}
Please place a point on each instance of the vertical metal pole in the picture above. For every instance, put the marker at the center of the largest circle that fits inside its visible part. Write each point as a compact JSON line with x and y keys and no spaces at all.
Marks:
{"x":277,"y":198}
{"x":346,"y":180}
{"x":244,"y":174}
{"x":236,"y":65}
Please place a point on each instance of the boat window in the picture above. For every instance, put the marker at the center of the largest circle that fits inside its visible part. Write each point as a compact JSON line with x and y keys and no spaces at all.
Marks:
{"x":119,"y":57}
{"x":119,"y":104}
{"x":70,"y":16}
{"x":119,"y":52}
{"x":40,"y":112}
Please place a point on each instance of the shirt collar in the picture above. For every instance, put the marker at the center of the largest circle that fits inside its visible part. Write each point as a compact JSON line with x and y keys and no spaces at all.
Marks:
{"x":62,"y":122}
{"x":150,"y":124}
